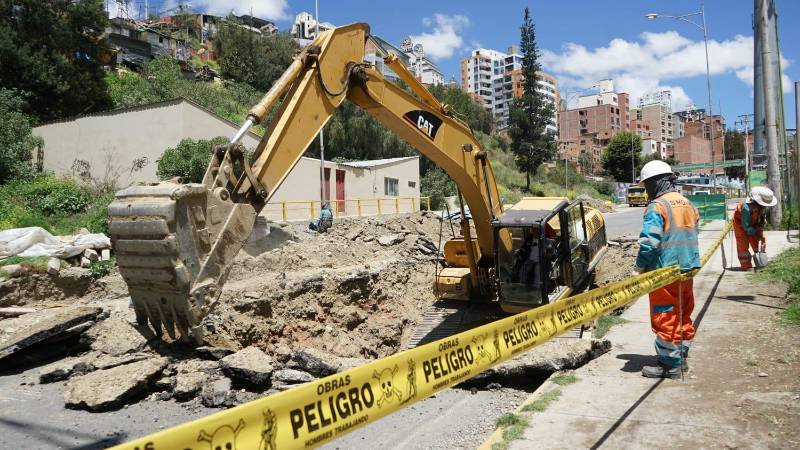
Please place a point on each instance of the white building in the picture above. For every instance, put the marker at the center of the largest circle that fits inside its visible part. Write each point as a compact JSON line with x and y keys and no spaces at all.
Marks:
{"x":495,"y":79}
{"x":304,"y":28}
{"x":654,"y":147}
{"x":604,"y":96}
{"x":425,"y":70}
{"x":123,"y":146}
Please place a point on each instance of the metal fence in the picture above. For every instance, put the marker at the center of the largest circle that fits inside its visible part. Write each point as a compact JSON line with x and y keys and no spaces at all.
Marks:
{"x":288,"y":211}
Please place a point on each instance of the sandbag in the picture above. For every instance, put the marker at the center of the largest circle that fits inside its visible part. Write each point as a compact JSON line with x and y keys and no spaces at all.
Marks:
{"x":36,"y":241}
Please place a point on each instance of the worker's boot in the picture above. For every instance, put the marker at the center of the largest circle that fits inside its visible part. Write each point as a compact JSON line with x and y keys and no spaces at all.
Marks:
{"x":661,"y":371}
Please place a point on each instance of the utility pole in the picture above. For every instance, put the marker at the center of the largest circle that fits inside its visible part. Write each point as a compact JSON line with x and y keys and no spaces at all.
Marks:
{"x":770,"y":95}
{"x":321,"y":131}
{"x":747,"y":150}
{"x":797,"y":138}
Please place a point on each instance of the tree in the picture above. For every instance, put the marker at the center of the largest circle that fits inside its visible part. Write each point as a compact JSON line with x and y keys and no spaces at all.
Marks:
{"x":16,"y":141}
{"x":735,"y":149}
{"x":49,"y":49}
{"x":531,"y":141}
{"x":621,"y":159}
{"x":188,"y":160}
{"x":464,"y":106}
{"x":252,"y":58}
{"x":437,"y":185}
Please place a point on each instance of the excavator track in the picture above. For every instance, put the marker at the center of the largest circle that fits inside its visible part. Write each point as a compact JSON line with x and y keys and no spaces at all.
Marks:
{"x":144,"y":230}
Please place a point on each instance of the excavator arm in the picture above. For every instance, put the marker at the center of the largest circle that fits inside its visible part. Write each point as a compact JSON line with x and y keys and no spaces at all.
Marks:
{"x":175,"y":242}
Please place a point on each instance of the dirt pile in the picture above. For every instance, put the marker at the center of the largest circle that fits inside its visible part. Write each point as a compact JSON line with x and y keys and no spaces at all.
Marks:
{"x":619,"y":261}
{"x":600,"y":205}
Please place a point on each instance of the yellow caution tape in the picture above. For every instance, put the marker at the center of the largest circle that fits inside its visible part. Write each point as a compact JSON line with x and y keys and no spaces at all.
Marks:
{"x":317,"y":412}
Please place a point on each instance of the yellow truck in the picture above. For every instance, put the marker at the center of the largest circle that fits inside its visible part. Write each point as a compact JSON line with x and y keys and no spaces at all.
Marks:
{"x":637,"y":196}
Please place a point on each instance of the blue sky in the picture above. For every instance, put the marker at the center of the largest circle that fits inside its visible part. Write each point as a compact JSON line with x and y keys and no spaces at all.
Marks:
{"x":581,"y":40}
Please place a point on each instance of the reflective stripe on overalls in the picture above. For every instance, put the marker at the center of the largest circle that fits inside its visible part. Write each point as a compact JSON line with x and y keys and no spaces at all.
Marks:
{"x":671,"y":306}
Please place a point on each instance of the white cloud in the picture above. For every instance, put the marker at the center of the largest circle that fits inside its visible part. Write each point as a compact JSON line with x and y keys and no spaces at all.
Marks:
{"x":263,"y":9}
{"x":445,"y":38}
{"x":653,"y":62}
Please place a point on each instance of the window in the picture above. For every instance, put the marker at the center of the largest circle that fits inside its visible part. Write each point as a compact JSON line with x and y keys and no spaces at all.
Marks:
{"x":412,"y":184}
{"x":391,"y":186}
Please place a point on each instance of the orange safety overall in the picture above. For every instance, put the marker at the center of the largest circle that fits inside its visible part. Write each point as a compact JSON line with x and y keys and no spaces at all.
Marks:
{"x":748,"y":234}
{"x":669,"y":237}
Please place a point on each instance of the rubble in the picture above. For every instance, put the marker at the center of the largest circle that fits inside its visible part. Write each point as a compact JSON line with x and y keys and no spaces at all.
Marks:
{"x":107,"y":389}
{"x":218,"y":393}
{"x":118,"y":336}
{"x":90,"y":362}
{"x":291,"y":376}
{"x":44,"y":326}
{"x":53,"y":266}
{"x":213,"y":353}
{"x":391,"y":239}
{"x":250,"y":365}
{"x":12,"y":270}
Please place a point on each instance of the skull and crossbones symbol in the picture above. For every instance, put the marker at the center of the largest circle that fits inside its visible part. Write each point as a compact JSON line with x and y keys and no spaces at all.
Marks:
{"x":223,"y":438}
{"x":388,"y":390}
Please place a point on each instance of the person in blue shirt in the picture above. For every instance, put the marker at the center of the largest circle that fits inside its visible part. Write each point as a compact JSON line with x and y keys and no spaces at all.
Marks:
{"x":325,"y":220}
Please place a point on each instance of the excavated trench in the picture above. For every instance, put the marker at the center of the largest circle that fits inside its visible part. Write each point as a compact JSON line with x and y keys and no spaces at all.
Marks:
{"x":309,"y":304}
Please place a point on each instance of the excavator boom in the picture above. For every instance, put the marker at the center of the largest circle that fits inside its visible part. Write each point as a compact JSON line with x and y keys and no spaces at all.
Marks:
{"x":175,"y":242}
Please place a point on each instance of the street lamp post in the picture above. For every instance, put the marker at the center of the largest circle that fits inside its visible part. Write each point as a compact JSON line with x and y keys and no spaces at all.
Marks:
{"x":704,"y":28}
{"x":633,"y":160}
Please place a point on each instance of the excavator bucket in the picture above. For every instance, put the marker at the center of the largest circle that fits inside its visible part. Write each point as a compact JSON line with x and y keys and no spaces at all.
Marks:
{"x":174,"y":243}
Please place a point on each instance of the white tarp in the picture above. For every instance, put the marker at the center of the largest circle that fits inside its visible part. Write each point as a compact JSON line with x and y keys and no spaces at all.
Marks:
{"x":36,"y":241}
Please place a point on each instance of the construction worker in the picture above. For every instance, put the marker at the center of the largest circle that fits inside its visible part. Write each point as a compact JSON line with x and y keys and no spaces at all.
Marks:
{"x":325,"y":220}
{"x":668,"y":237}
{"x":748,"y":223}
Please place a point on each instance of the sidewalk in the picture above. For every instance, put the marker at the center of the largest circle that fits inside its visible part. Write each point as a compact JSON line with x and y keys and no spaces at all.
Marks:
{"x":613,"y":406}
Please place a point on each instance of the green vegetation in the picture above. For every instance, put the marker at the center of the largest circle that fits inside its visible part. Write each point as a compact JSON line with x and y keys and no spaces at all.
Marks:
{"x":251,"y":58}
{"x":786,"y":268}
{"x":564,"y":379}
{"x":604,"y":323}
{"x":17,"y":144}
{"x":58,"y":205}
{"x":541,"y":403}
{"x":51,"y":51}
{"x":622,"y":155}
{"x":514,"y":425}
{"x":530,"y":115}
{"x":188,"y":160}
{"x":99,"y":269}
{"x":162,"y":80}
{"x":464,"y":107}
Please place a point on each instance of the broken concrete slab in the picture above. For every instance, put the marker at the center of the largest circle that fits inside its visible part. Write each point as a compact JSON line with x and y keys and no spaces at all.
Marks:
{"x":218,"y":393}
{"x":213,"y":353}
{"x":91,"y":254}
{"x":117,"y":336}
{"x":292,"y":376}
{"x":25,"y":331}
{"x":62,"y":370}
{"x":105,"y":254}
{"x":188,"y":384}
{"x":391,"y":239}
{"x":249,"y":365}
{"x":107,"y":389}
{"x":321,"y":364}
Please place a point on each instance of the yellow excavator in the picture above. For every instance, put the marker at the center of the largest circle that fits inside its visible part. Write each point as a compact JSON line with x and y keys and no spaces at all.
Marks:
{"x":175,"y":242}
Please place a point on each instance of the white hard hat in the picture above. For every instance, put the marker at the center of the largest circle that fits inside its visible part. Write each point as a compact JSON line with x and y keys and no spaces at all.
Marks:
{"x":654,"y":168}
{"x":763,"y":196}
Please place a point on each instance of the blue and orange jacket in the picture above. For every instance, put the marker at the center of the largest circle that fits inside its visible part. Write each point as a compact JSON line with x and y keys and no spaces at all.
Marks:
{"x":749,"y":219}
{"x":669,"y":234}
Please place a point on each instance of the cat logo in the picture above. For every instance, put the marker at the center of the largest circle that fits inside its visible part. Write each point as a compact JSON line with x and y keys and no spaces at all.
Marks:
{"x":426,"y":122}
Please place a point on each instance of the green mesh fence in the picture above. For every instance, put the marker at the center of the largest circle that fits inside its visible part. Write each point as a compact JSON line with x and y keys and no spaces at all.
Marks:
{"x":711,"y":207}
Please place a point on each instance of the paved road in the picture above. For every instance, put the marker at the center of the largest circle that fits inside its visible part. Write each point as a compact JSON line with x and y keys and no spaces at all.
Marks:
{"x":625,"y":221}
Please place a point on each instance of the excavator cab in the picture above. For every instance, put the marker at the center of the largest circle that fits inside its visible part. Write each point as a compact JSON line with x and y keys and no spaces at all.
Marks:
{"x":544,"y":251}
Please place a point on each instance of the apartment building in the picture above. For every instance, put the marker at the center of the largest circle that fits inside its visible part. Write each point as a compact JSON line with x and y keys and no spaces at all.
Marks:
{"x":495,"y":78}
{"x":304,"y":28}
{"x":425,"y":70}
